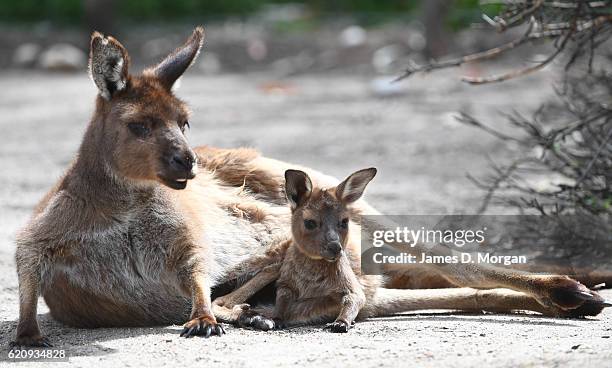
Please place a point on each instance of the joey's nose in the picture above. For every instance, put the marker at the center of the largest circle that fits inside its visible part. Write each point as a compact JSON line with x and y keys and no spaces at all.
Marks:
{"x":333,"y":250}
{"x":332,"y":237}
{"x":183,"y":162}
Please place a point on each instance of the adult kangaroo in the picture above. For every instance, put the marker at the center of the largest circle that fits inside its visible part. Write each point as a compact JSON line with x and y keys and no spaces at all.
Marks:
{"x":131,"y":236}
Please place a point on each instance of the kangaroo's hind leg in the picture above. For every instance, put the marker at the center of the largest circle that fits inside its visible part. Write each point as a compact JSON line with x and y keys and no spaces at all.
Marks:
{"x":388,"y":302}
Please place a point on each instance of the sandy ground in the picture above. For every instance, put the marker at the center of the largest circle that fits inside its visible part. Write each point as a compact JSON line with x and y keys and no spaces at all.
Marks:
{"x":332,"y":123}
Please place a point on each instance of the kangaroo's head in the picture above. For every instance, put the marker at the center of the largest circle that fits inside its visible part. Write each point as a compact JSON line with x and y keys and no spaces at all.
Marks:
{"x":320,"y":217}
{"x":139,"y":121}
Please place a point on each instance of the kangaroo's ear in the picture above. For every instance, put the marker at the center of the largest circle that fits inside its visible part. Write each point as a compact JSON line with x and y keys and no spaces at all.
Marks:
{"x":169,"y":70}
{"x":351,"y":189}
{"x":108,"y":64}
{"x":298,"y":187}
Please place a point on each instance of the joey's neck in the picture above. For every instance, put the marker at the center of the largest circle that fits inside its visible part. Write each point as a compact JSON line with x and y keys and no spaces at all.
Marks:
{"x":302,"y":259}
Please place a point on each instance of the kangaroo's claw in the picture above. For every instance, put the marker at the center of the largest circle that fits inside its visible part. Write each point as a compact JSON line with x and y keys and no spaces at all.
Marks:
{"x":202,"y":326}
{"x":337,"y":327}
{"x":37,"y":341}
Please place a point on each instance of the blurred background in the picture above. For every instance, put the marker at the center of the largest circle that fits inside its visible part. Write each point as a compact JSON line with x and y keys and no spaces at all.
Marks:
{"x":288,"y":36}
{"x":281,"y":67}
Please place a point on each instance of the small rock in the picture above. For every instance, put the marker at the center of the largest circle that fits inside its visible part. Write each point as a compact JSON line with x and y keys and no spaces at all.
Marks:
{"x":26,"y":54}
{"x":577,"y":136}
{"x":575,"y":347}
{"x":62,"y":56}
{"x":257,"y":49}
{"x":291,"y":12}
{"x":537,"y":152}
{"x":384,"y":57}
{"x":353,"y":36}
{"x":384,"y":87}
{"x":416,"y":41}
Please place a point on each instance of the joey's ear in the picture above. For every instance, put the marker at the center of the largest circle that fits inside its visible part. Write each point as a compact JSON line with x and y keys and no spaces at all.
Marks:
{"x":297,"y":187}
{"x":174,"y":65}
{"x":351,"y":189}
{"x":108,"y":64}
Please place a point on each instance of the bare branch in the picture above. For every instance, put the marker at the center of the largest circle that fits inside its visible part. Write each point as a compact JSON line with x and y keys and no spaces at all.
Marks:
{"x":468,"y":58}
{"x":586,"y":24}
{"x":519,"y":72}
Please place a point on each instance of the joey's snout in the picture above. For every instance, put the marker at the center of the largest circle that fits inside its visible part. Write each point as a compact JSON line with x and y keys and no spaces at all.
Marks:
{"x":332,"y":246}
{"x":331,"y":251}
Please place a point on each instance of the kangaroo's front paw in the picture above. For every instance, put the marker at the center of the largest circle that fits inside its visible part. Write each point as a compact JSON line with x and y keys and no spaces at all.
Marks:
{"x":202,"y":326}
{"x":31,"y":341}
{"x":570,"y":297}
{"x":337,"y":327}
{"x":252,"y":319}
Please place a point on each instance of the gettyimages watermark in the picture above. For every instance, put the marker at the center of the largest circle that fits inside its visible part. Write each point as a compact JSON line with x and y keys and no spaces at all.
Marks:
{"x":530,"y":243}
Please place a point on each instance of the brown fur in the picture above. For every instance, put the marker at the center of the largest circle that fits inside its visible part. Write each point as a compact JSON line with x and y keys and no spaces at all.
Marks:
{"x":316,"y":285}
{"x":130,"y":236}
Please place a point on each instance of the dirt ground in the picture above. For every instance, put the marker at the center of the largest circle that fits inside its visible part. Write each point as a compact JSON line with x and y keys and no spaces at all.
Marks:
{"x":335,"y":124}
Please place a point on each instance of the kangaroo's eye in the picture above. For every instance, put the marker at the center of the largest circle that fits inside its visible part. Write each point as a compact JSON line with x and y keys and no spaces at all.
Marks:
{"x":310,"y":224}
{"x":139,"y":129}
{"x":185,"y":125}
{"x":344,"y":223}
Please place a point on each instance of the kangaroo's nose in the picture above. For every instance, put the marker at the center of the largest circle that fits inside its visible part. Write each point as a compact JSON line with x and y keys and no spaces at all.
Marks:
{"x":183,"y":162}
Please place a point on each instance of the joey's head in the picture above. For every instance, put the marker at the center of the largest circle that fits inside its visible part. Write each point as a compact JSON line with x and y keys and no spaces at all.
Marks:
{"x":139,"y":121}
{"x":320,"y":217}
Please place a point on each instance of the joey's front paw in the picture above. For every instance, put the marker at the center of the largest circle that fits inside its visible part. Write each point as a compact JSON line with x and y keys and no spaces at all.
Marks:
{"x":202,"y":326}
{"x":280,"y":324}
{"x":31,"y":341}
{"x":252,"y":319}
{"x":338,"y":327}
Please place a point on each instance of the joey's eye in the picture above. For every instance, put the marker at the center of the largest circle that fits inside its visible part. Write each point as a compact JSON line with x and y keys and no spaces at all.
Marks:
{"x":344,"y":223}
{"x":310,"y":224}
{"x":139,"y":129}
